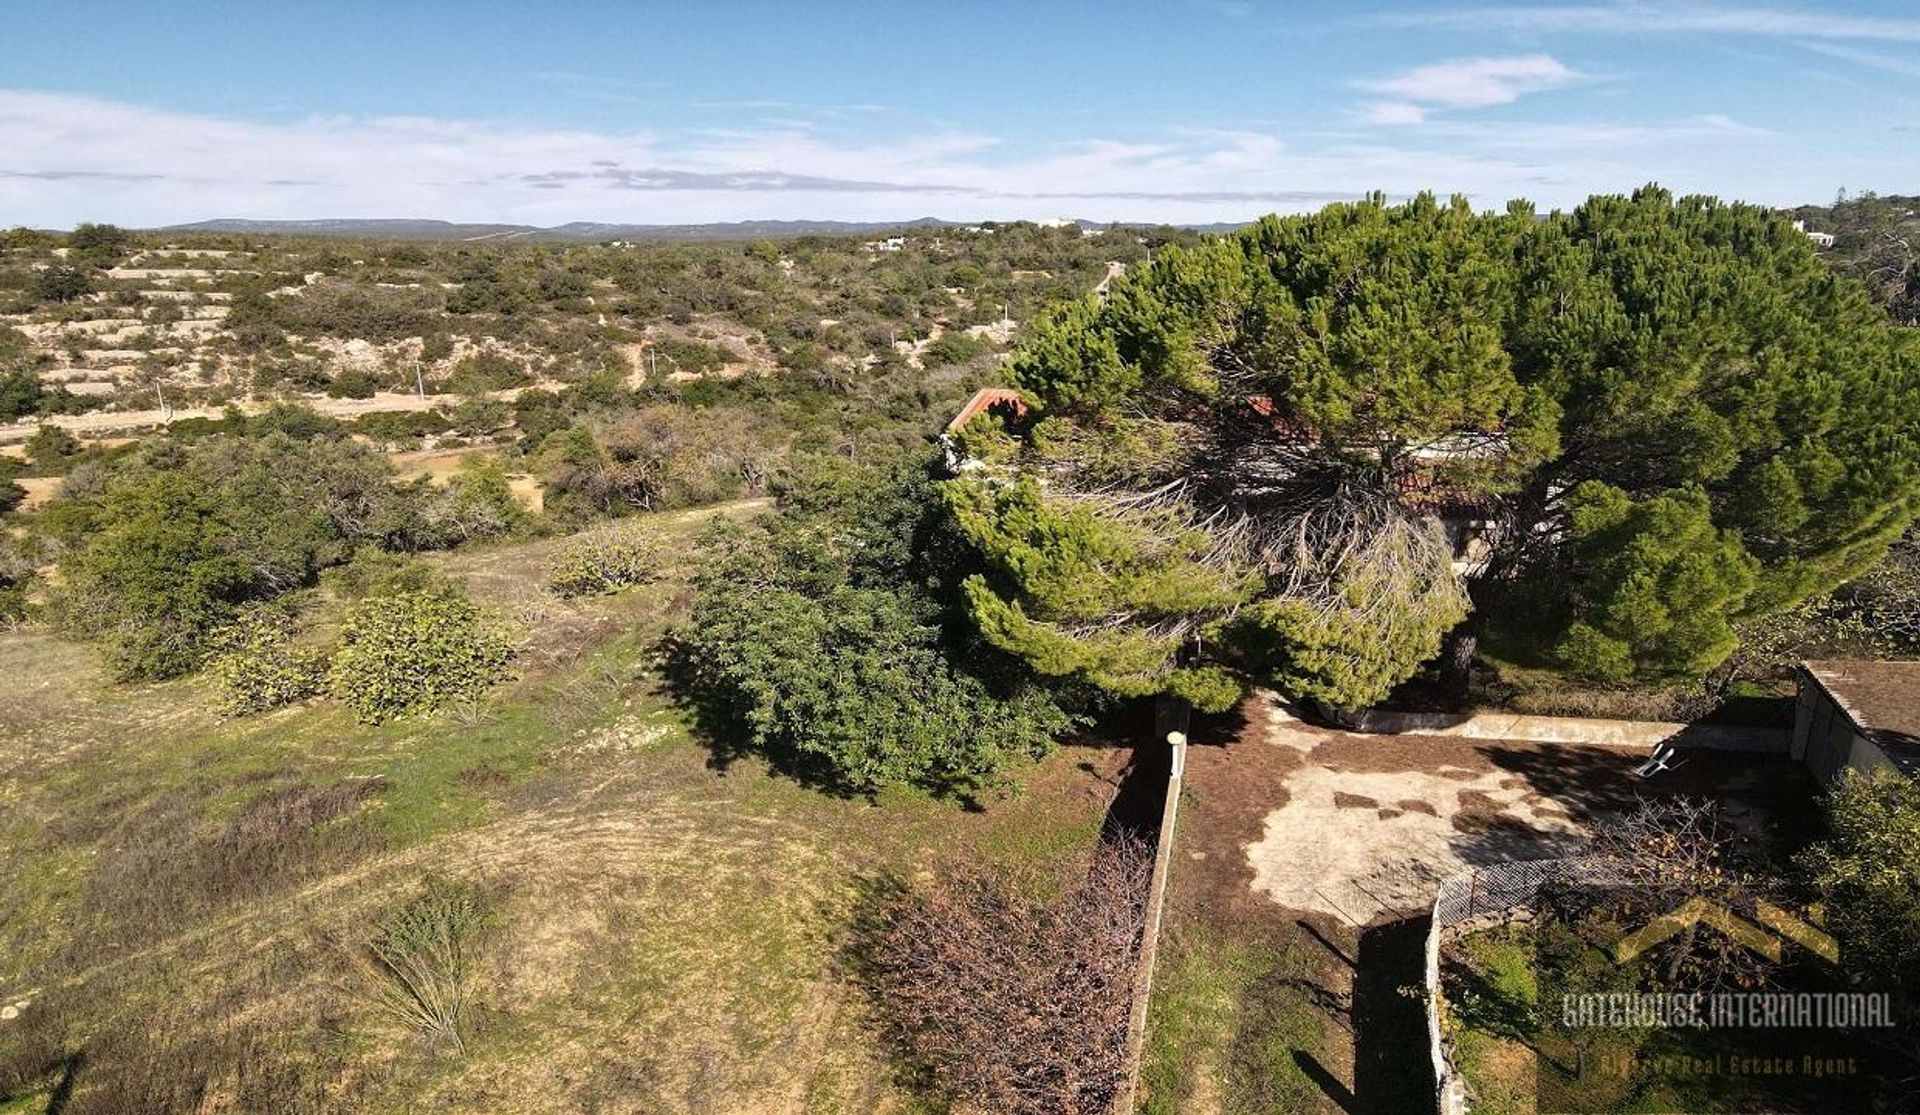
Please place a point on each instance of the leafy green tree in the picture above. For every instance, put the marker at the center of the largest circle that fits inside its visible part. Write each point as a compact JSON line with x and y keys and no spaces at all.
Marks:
{"x":351,"y":383}
{"x":175,"y":539}
{"x":416,"y":652}
{"x":537,"y":413}
{"x":812,"y":642}
{"x":255,"y":321}
{"x":52,"y":449}
{"x":1075,"y":573}
{"x":156,"y":576}
{"x":12,"y":495}
{"x":1867,"y":872}
{"x":1285,"y":407}
{"x":18,"y":565}
{"x":477,"y":503}
{"x":62,"y":283}
{"x":487,"y":371}
{"x":478,"y":415}
{"x":99,"y":245}
{"x":20,"y":393}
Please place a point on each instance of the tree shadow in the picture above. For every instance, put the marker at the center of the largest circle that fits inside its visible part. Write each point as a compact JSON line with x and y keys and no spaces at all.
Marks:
{"x":1140,"y":800}
{"x":29,"y":1073}
{"x":1484,"y":841}
{"x":1218,"y":729}
{"x":1327,"y":943}
{"x":62,"y":1094}
{"x":1481,"y":1004}
{"x":1391,"y":1071}
{"x":1328,"y":1083}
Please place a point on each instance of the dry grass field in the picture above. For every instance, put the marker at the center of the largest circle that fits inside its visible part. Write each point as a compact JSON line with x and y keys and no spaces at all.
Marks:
{"x":190,"y":899}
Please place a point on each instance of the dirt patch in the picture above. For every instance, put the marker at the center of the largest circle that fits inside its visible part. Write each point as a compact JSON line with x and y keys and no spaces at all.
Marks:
{"x":1367,"y":862}
{"x":441,"y":465}
{"x":1320,"y":843}
{"x":40,"y":490}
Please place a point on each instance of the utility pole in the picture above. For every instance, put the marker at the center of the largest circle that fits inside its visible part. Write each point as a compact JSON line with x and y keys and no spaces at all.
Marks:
{"x":419,"y":380}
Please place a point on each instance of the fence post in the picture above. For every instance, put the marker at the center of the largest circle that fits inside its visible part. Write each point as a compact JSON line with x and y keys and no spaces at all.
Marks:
{"x":1175,"y":715}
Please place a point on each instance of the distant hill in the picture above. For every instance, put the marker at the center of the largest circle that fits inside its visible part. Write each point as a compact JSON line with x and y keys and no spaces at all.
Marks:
{"x":409,"y":229}
{"x":405,"y":229}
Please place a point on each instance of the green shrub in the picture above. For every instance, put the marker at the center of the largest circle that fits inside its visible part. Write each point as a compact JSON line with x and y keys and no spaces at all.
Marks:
{"x":1867,"y":871}
{"x":693,"y":356}
{"x":478,"y":415}
{"x":477,"y":503}
{"x":258,"y":665}
{"x":393,"y":428}
{"x":812,"y":642}
{"x":954,"y":348}
{"x":372,"y":571}
{"x":351,"y":383}
{"x":17,"y":566}
{"x":62,"y":283}
{"x":487,"y":371}
{"x":414,"y":652}
{"x":605,"y":560}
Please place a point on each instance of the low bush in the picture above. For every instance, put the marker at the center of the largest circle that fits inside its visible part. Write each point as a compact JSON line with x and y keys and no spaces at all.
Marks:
{"x":954,"y":348}
{"x":258,"y":664}
{"x":487,"y":371}
{"x":351,"y":383}
{"x":605,"y":559}
{"x":1867,"y":871}
{"x":415,"y":652}
{"x":693,"y":356}
{"x":372,"y":571}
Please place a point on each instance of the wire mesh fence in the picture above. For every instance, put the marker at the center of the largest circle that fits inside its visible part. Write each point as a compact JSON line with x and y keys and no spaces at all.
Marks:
{"x":1494,"y":889}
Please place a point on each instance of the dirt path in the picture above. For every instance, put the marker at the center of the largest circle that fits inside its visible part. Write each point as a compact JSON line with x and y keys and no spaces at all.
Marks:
{"x":101,"y":422}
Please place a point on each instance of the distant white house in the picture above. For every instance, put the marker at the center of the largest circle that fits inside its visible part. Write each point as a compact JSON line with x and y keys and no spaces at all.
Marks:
{"x":890,"y":244}
{"x":1820,"y":239}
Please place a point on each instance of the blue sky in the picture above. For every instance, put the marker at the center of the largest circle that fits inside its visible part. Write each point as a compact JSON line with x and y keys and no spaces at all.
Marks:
{"x":1185,"y":110}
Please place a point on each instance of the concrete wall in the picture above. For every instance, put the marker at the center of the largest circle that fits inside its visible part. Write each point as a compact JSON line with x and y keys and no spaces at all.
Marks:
{"x":1170,"y":723}
{"x":1638,"y":735}
{"x":1826,"y":738}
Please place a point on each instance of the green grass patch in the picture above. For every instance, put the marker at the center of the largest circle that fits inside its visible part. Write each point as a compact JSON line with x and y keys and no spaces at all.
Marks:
{"x":1228,"y":1017}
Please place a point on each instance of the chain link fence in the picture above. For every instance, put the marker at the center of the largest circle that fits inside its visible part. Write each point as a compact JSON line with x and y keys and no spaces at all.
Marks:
{"x":1474,"y":893}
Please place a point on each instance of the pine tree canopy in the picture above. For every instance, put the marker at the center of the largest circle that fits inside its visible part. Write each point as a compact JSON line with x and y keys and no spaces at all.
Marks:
{"x":1660,"y":416}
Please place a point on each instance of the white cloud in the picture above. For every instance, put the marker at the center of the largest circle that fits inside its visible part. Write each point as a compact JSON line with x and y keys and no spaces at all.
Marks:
{"x":1392,"y":112}
{"x":68,"y":158}
{"x":1469,"y":83}
{"x":1642,"y":18}
{"x":1909,"y":67}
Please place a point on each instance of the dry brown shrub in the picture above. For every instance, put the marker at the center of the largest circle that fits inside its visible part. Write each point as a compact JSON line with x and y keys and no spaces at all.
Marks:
{"x":1007,"y":1002}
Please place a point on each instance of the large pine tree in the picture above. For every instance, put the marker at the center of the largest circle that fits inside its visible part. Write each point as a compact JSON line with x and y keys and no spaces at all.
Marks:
{"x":1669,"y":411}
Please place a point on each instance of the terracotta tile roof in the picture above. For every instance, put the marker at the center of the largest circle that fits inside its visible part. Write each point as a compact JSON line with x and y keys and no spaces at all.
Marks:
{"x":985,"y":399}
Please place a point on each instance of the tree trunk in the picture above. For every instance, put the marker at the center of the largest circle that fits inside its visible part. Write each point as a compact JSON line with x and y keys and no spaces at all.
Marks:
{"x":1456,"y":660}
